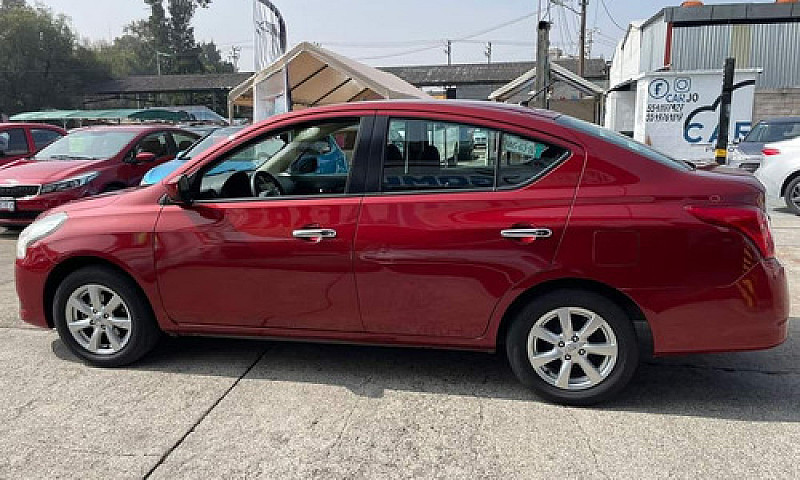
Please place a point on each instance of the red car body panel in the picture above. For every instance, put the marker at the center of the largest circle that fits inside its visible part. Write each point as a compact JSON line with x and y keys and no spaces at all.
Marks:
{"x":430,"y":269}
{"x":112,"y":172}
{"x":27,"y":127}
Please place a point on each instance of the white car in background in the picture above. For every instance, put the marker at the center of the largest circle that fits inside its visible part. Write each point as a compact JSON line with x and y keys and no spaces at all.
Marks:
{"x":780,"y":172}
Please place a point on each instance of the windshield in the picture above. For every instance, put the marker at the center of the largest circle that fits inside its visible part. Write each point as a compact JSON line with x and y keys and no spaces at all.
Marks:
{"x":87,"y":145}
{"x":208,"y":141}
{"x":622,"y":141}
{"x":773,"y":132}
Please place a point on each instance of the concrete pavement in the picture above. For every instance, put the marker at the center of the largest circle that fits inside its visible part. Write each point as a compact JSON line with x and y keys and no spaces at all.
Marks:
{"x":216,"y":408}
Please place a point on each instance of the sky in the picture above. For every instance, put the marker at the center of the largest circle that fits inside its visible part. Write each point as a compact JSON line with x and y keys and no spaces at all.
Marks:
{"x":386,"y":33}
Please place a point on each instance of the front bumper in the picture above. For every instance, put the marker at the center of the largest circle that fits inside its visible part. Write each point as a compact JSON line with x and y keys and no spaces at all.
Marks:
{"x":28,"y":208}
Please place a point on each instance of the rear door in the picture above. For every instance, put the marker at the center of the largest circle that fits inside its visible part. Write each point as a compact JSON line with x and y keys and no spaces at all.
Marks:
{"x":14,"y":144}
{"x":453,"y":224}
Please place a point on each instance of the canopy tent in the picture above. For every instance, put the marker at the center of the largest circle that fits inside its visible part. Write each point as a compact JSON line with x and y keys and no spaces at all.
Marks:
{"x":315,"y":76}
{"x":155,"y":114}
{"x":521,"y":88}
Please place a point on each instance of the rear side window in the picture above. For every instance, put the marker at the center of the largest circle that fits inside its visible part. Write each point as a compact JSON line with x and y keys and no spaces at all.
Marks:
{"x":429,"y":155}
{"x":523,"y":160}
{"x":13,"y":142}
{"x":43,"y":138}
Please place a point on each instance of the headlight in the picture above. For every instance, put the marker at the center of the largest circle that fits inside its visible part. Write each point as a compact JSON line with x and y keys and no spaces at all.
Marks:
{"x":69,"y":183}
{"x":38,"y":230}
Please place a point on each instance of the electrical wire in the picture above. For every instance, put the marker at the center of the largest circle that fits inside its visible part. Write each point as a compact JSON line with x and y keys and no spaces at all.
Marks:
{"x":605,"y":7}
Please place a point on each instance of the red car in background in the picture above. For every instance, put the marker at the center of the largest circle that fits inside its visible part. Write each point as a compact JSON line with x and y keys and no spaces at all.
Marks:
{"x":21,"y":140}
{"x":86,"y":162}
{"x":573,"y":249}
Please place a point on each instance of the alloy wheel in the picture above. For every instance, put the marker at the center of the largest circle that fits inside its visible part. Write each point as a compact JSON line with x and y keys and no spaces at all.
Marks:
{"x":98,"y":319}
{"x":572,"y":348}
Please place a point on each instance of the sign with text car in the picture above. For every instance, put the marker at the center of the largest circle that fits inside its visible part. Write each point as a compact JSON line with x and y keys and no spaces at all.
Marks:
{"x":678,"y":112}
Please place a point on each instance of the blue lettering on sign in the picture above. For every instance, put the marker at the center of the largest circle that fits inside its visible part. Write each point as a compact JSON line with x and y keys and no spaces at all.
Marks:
{"x":687,"y":131}
{"x":741,"y":129}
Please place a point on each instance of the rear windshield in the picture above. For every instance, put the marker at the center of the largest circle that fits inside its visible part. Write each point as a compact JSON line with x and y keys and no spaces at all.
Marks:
{"x":622,"y":141}
{"x":765,"y":132}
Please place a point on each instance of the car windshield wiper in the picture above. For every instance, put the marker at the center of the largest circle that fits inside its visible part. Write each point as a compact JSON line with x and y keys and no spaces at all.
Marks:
{"x":71,"y":157}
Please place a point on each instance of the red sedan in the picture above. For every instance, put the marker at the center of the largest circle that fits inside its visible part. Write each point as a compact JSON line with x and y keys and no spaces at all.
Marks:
{"x":572,"y":248}
{"x":86,"y":162}
{"x":21,"y":140}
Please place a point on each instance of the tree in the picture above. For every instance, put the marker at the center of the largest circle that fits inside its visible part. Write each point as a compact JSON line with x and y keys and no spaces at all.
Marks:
{"x":44,"y":65}
{"x":163,"y":42}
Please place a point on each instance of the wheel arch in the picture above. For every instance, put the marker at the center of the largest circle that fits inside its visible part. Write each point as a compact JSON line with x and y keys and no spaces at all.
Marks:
{"x":70,"y":265}
{"x":644,"y":334}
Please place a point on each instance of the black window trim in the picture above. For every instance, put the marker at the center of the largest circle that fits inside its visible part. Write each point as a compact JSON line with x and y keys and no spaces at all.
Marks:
{"x":380,"y":141}
{"x":357,"y":175}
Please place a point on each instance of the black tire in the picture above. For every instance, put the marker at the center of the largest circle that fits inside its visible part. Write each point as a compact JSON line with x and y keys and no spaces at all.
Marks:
{"x":793,"y":190}
{"x":617,"y":326}
{"x":142,"y":334}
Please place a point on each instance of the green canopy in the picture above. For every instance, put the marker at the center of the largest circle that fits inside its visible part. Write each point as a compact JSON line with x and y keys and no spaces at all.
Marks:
{"x":112,"y":114}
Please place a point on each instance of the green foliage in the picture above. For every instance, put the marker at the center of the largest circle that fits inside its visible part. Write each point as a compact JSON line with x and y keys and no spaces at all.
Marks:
{"x":166,"y":39}
{"x":44,"y":65}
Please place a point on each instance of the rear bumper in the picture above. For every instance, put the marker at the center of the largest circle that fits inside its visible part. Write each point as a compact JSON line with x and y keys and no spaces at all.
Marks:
{"x":751,"y":314}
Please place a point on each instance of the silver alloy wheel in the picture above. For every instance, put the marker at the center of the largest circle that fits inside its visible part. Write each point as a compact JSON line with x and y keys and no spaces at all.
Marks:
{"x":98,"y":319}
{"x":794,"y":196}
{"x":572,"y":348}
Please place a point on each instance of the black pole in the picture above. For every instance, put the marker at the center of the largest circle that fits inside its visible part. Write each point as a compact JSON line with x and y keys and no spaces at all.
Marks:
{"x":721,"y":151}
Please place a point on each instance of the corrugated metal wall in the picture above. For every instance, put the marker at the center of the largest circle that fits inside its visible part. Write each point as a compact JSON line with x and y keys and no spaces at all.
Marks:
{"x":654,"y":45}
{"x":772,"y":47}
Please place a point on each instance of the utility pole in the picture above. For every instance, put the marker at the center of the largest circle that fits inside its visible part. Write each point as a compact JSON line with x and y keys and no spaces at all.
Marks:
{"x":234,"y":56}
{"x":582,"y":46}
{"x":488,"y":52}
{"x":448,"y":49}
{"x":542,"y":63}
{"x":721,"y":150}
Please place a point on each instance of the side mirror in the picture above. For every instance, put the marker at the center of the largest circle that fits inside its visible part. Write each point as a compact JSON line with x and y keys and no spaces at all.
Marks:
{"x":144,"y":157}
{"x":179,"y":190}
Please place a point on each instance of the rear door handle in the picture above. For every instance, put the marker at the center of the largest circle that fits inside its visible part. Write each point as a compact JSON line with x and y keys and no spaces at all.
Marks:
{"x":314,"y":233}
{"x":526,"y":233}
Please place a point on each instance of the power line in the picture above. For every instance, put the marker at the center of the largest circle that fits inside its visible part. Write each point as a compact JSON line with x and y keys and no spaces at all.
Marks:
{"x":605,"y":7}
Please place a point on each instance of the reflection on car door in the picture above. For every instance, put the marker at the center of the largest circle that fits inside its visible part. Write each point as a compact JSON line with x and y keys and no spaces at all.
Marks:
{"x":282,"y":262}
{"x":431,"y":256}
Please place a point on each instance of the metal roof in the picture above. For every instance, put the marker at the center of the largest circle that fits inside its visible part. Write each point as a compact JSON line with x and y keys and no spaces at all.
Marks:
{"x":170,"y":83}
{"x":729,"y":13}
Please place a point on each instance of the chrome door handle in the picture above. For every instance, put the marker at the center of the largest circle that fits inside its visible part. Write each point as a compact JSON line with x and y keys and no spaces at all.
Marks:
{"x":314,"y":233}
{"x":526,"y":233}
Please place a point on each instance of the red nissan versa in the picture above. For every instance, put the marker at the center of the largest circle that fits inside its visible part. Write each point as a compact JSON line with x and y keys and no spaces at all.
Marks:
{"x":86,"y":162}
{"x":574,"y":249}
{"x":21,"y":140}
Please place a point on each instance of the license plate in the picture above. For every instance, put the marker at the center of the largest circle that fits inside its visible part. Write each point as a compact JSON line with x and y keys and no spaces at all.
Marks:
{"x":7,"y":205}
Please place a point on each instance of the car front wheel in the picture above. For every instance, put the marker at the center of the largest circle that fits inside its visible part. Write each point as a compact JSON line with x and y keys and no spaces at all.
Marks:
{"x":573,"y":347}
{"x":103,"y":317}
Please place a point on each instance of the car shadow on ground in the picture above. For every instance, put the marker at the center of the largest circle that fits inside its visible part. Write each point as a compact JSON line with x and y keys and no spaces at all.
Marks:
{"x":725,"y":386}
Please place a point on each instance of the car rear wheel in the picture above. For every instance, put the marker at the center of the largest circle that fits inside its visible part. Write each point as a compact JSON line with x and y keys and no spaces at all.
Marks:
{"x":792,"y":196}
{"x":573,"y":347}
{"x":103,"y":317}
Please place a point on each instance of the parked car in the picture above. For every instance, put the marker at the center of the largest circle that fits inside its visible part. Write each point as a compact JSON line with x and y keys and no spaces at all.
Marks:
{"x":573,"y":249}
{"x":780,"y":172}
{"x":747,"y":153}
{"x":86,"y":162}
{"x":21,"y":140}
{"x":156,"y":174}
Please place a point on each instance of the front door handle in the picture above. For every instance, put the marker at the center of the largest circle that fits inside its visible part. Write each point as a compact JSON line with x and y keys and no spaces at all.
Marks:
{"x":522,"y":233}
{"x":316,"y":234}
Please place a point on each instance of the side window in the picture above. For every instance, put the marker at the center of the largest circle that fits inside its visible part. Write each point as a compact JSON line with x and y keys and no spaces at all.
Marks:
{"x":13,"y":142}
{"x":183,"y":141}
{"x":43,"y":138}
{"x":428,"y":155}
{"x":523,"y":160}
{"x":313,"y":159}
{"x":155,"y":143}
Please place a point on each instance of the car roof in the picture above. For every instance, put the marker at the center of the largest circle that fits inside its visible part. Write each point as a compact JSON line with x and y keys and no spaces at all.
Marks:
{"x":30,"y":125}
{"x":131,"y":128}
{"x":474,"y":106}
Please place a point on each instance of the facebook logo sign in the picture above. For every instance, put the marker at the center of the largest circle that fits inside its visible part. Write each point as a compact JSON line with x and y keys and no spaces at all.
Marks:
{"x":659,"y":88}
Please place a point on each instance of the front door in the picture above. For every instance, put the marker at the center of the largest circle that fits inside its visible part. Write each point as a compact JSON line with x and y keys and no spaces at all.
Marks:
{"x":159,"y":144}
{"x":14,"y":145}
{"x":462,"y":216}
{"x":262,"y":247}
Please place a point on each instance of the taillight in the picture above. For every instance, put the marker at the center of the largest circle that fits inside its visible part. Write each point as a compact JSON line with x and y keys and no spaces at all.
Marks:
{"x":770,"y":151}
{"x":751,"y":221}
